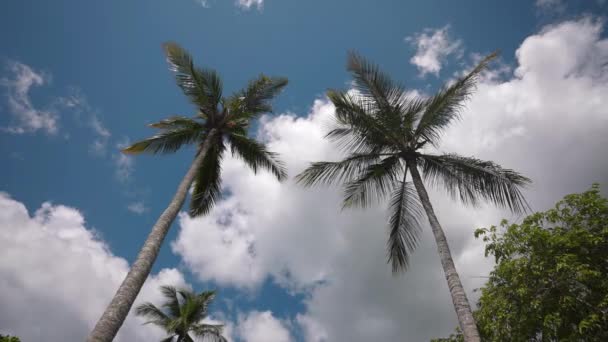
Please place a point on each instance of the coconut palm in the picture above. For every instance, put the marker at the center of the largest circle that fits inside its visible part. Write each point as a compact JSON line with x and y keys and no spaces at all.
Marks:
{"x":385,"y":131}
{"x":182,"y":316}
{"x":219,"y":123}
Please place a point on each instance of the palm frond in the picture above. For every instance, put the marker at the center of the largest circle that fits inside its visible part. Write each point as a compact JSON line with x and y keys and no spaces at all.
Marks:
{"x":358,"y":129}
{"x":168,"y":339}
{"x":256,"y":156}
{"x":207,"y":183}
{"x":172,"y":303}
{"x":167,"y":141}
{"x":320,"y":173}
{"x":202,"y":86}
{"x":372,"y":83}
{"x":446,"y":106}
{"x":255,"y":99}
{"x":470,"y":179}
{"x":175,"y":122}
{"x":404,"y":223}
{"x":373,"y":184}
{"x":208,"y":332}
{"x":155,"y":315}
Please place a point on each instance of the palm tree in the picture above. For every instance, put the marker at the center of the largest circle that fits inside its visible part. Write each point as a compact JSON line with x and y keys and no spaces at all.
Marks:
{"x":219,"y":122}
{"x":183,"y":315}
{"x":385,"y":131}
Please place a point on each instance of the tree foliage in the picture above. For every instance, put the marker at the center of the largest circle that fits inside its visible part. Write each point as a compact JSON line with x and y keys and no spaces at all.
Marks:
{"x":181,"y":315}
{"x":551,"y":278}
{"x":8,"y":338}
{"x":550,"y":282}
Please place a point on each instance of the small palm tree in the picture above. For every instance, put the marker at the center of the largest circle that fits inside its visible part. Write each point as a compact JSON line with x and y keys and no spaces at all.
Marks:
{"x":385,"y":130}
{"x":219,"y":122}
{"x":183,"y":315}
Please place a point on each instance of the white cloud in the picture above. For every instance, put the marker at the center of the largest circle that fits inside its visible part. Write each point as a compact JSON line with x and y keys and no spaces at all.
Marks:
{"x":100,"y":143}
{"x":204,"y":3}
{"x":247,"y":4}
{"x":137,"y":207}
{"x":259,"y":326}
{"x":27,"y":117}
{"x":242,"y":4}
{"x":433,"y":46}
{"x":77,"y":103}
{"x":549,"y":4}
{"x":56,"y":276}
{"x":548,"y":121}
{"x":124,"y":165}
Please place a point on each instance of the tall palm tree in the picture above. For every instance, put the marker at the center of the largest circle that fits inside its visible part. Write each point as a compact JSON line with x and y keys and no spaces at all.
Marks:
{"x":183,"y":315}
{"x":385,"y":130}
{"x":219,"y":122}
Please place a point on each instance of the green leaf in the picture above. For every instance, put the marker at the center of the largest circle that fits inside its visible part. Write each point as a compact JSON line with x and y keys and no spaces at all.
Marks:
{"x":404,"y":223}
{"x":446,"y":106}
{"x":167,"y":141}
{"x":256,"y":156}
{"x":374,"y":183}
{"x":207,"y":183}
{"x":471,"y":179}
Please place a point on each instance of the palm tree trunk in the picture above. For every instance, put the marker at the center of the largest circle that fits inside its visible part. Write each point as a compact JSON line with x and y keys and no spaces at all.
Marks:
{"x":459,"y":297}
{"x":112,"y":319}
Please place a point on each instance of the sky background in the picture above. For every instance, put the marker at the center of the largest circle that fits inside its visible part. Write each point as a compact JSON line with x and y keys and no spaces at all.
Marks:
{"x":80,"y":79}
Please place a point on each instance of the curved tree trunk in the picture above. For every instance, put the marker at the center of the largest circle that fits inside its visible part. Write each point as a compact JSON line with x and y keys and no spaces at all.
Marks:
{"x":112,"y":319}
{"x":459,"y":297}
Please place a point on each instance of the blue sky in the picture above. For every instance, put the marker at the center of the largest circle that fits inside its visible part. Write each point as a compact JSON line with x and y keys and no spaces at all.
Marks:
{"x":80,"y":78}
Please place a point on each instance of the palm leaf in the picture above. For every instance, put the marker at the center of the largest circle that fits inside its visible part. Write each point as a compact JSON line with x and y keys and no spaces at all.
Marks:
{"x":172,"y":303}
{"x":167,"y":141}
{"x":320,"y":173}
{"x":446,"y":106}
{"x":154,"y":314}
{"x":207,"y":183}
{"x":470,"y":179}
{"x":406,"y":212}
{"x":208,"y":332}
{"x":373,"y":83}
{"x":365,"y":133}
{"x":202,"y":86}
{"x":175,"y":122}
{"x":256,"y":156}
{"x":374,"y":184}
{"x":255,"y":99}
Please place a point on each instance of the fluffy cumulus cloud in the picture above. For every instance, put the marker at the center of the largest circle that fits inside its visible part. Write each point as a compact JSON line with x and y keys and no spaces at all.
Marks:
{"x":56,"y":276}
{"x":259,"y":326}
{"x":433,"y":46}
{"x":27,"y":117}
{"x":547,"y":120}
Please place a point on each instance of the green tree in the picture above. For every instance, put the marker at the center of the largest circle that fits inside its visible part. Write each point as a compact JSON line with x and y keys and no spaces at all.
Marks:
{"x":550,"y":282}
{"x":385,"y":131}
{"x":219,"y":122}
{"x":183,"y":315}
{"x":8,"y":338}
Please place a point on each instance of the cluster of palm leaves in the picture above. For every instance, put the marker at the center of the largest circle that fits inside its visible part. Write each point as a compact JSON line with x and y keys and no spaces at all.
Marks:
{"x":182,"y":314}
{"x":387,"y":136}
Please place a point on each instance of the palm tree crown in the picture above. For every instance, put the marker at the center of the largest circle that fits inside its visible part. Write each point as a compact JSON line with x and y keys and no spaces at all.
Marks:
{"x":181,"y":315}
{"x":223,"y":120}
{"x":385,"y":130}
